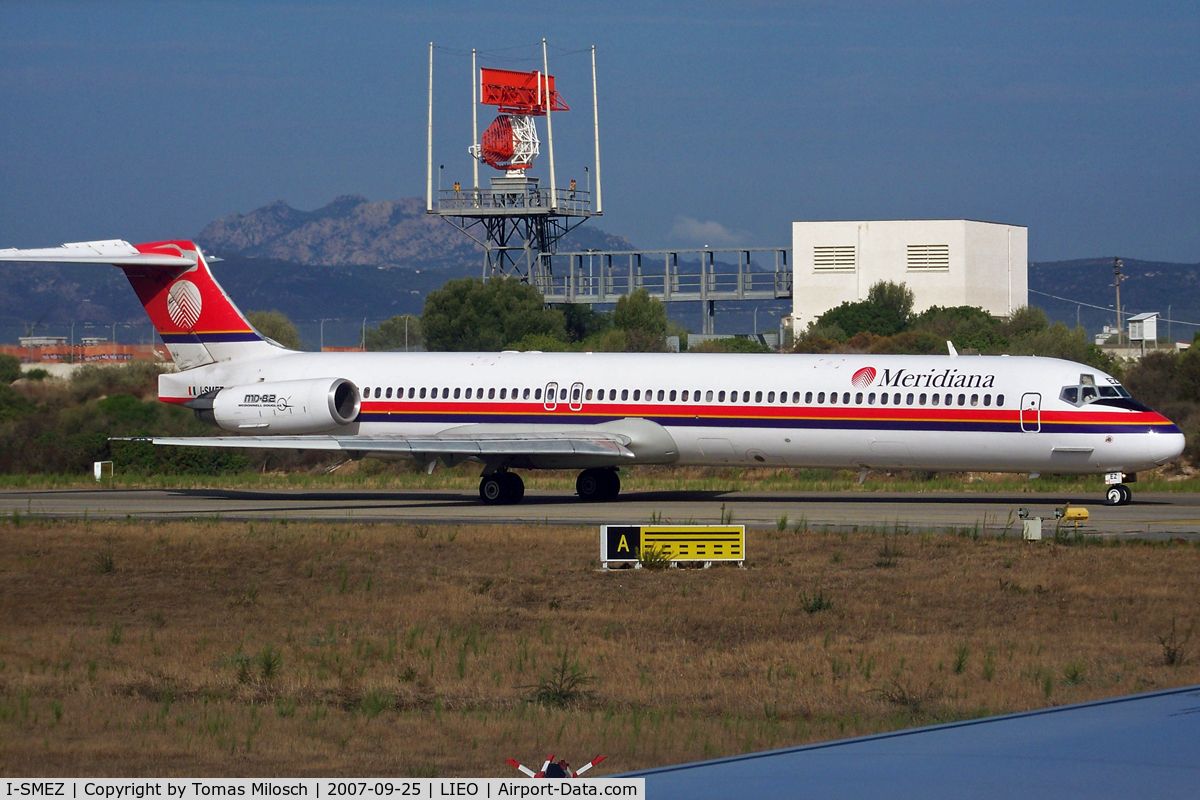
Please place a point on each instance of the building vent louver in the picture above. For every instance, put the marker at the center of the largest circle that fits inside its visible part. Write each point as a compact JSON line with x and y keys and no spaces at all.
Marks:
{"x":837,"y":258}
{"x":929,"y":258}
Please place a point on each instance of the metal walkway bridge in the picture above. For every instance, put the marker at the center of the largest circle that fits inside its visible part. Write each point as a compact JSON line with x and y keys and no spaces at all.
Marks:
{"x":705,"y":275}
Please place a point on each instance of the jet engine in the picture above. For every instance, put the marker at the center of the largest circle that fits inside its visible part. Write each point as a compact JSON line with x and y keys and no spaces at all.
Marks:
{"x":299,"y":407}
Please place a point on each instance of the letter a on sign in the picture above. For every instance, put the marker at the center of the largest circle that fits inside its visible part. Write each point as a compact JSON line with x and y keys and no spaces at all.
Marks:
{"x":620,"y":543}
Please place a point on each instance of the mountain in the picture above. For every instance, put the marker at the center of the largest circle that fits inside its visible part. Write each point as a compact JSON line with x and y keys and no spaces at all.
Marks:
{"x":355,"y":258}
{"x":352,"y":230}
{"x":1147,"y":286}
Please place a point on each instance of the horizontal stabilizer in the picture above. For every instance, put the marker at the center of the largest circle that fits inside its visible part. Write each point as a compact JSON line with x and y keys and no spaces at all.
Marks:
{"x":109,"y":251}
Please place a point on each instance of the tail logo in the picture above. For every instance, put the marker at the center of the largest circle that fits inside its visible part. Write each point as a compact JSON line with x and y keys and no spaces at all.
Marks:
{"x":183,"y":304}
{"x":864,"y":377}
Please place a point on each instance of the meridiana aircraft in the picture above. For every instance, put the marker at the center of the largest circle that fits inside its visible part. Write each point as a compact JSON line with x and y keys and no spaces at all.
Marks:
{"x":597,"y":411}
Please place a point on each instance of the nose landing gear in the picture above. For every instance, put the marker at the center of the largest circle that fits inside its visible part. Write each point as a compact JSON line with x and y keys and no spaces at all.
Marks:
{"x":1118,"y":495}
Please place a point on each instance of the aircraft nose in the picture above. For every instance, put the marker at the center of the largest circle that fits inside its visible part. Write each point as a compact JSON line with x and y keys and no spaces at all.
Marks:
{"x":1166,"y":446}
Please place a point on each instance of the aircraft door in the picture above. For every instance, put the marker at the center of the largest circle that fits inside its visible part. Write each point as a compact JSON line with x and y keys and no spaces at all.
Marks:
{"x":1031,"y":412}
{"x":550,"y":399}
{"x":576,"y":398}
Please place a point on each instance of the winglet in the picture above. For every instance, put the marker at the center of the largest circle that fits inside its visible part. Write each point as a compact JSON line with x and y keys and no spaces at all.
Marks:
{"x":950,"y":347}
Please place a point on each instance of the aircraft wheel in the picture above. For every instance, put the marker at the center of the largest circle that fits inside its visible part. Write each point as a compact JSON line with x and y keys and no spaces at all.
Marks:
{"x":1118,"y":495}
{"x":515,"y":487}
{"x":493,"y":488}
{"x":1126,"y":494}
{"x":612,"y":484}
{"x":590,"y":485}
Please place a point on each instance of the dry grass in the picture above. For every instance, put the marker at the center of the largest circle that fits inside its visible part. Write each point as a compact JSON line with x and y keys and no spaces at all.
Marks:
{"x":186,"y":648}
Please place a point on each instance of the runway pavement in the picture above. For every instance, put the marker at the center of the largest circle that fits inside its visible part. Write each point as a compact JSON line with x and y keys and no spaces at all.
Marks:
{"x":1154,"y":516}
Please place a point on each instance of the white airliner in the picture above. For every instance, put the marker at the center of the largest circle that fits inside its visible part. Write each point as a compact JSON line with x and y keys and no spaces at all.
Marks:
{"x":597,"y":411}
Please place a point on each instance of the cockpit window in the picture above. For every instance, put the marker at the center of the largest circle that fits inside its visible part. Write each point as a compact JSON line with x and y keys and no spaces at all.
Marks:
{"x":1088,"y":391}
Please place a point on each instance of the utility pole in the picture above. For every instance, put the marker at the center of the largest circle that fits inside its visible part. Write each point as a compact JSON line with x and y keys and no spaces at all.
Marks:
{"x":1117,"y":278}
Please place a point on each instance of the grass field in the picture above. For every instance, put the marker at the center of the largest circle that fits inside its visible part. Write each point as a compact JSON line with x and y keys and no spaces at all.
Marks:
{"x":372,"y":474}
{"x":225,"y":649}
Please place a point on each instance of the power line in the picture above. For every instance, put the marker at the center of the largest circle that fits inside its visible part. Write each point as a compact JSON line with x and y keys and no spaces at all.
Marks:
{"x":1108,"y":308}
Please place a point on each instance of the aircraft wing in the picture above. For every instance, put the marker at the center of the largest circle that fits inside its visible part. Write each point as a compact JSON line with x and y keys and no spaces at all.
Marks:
{"x":111,"y":251}
{"x":453,"y":447}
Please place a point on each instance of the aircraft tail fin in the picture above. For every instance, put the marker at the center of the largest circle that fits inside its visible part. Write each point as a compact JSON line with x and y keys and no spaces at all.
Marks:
{"x":191,"y":312}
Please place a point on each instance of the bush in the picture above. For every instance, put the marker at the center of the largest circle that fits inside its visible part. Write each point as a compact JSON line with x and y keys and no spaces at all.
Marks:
{"x":10,"y":369}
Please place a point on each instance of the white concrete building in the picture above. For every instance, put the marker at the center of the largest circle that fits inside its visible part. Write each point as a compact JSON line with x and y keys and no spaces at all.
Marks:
{"x":951,"y":262}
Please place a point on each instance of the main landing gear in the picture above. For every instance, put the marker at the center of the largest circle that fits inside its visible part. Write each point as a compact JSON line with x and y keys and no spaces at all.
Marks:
{"x":501,"y":488}
{"x":598,"y":484}
{"x":1118,"y":495}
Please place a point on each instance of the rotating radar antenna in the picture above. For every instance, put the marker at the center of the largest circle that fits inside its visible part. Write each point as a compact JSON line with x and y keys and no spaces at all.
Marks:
{"x":515,"y":218}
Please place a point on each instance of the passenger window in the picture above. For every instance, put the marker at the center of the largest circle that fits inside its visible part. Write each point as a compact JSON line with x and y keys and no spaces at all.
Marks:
{"x":833,"y":397}
{"x":446,"y":393}
{"x":587,"y":395}
{"x":987,"y":399}
{"x":672,"y":397}
{"x":457,"y":393}
{"x":745,"y":397}
{"x":624,"y":394}
{"x":708,"y":396}
{"x":846,"y":398}
{"x":537,"y":394}
{"x":936,"y":398}
{"x":795,"y":397}
{"x":378,"y":392}
{"x":683,"y":397}
{"x":575,"y":394}
{"x":999,"y":399}
{"x":758,"y":397}
{"x":974,"y":399}
{"x":491,"y":394}
{"x":908,"y":400}
{"x":660,"y":395}
{"x":469,"y":392}
{"x":503,"y":394}
{"x":962,"y":399}
{"x":858,"y":399}
{"x":883,"y":399}
{"x":770,"y":397}
{"x":808,"y":397}
{"x":388,"y":393}
{"x":525,"y":395}
{"x":422,"y":392}
{"x":922,"y":399}
{"x":600,"y":394}
{"x":720,"y":397}
{"x":820,"y":397}
{"x":411,"y":391}
{"x":871,"y":399}
{"x":637,"y":394}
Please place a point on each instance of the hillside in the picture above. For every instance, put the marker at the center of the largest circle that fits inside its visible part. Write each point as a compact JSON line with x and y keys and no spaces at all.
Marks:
{"x":1148,"y":286}
{"x":355,"y":258}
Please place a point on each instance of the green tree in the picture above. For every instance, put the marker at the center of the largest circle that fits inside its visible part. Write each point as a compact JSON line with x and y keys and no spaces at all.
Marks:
{"x":583,"y":321}
{"x":471,"y":314}
{"x":885,"y":312}
{"x":276,"y":325}
{"x":10,"y":368}
{"x":644,"y":321}
{"x":401,"y":332}
{"x":734,"y":344}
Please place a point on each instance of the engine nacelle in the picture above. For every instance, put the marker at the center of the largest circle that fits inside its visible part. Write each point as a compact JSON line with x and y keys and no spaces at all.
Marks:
{"x":300,"y":407}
